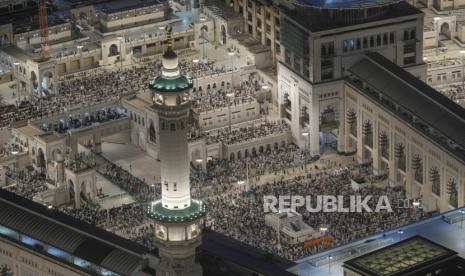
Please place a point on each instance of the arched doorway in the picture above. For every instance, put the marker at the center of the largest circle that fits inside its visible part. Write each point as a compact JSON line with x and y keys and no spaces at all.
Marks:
{"x":152,"y":132}
{"x":223,"y":34}
{"x":33,"y":81}
{"x":85,"y":190}
{"x":113,"y":50}
{"x":444,"y":31}
{"x":4,"y":39}
{"x":71,"y":190}
{"x":40,"y":159}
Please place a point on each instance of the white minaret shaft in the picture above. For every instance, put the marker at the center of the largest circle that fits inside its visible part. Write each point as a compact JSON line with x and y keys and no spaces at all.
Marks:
{"x":173,"y":153}
{"x":174,"y":162}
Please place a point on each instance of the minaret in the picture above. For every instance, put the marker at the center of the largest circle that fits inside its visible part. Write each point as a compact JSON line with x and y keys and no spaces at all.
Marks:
{"x":177,"y":217}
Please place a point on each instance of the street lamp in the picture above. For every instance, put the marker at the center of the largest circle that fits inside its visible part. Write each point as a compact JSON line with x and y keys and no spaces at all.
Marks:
{"x":265,"y":87}
{"x":16,"y":65}
{"x":231,"y":54}
{"x":230,"y":95}
{"x":120,"y":38}
{"x":79,"y":47}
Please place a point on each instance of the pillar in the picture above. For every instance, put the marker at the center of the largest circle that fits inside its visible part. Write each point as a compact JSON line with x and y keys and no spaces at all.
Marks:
{"x":376,"y":152}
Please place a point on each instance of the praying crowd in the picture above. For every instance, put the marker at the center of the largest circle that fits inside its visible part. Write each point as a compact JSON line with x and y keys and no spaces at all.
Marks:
{"x":247,"y":133}
{"x":240,"y":214}
{"x":454,"y":92}
{"x":99,"y":86}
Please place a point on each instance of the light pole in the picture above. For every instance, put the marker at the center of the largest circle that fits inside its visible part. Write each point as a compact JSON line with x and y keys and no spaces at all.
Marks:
{"x":462,"y":54}
{"x":231,"y":54}
{"x":265,"y":102}
{"x":16,"y":65}
{"x":120,"y":38}
{"x":230,"y":95}
{"x":79,"y":47}
{"x":202,"y":19}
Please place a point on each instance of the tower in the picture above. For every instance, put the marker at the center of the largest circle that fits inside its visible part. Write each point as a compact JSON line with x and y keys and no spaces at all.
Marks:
{"x":177,"y":217}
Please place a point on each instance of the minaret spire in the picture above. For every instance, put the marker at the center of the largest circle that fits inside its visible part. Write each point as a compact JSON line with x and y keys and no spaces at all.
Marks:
{"x":178,"y":217}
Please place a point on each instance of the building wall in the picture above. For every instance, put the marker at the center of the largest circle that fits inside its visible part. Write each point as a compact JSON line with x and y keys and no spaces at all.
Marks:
{"x":414,"y":142}
{"x":26,"y":262}
{"x":262,"y":22}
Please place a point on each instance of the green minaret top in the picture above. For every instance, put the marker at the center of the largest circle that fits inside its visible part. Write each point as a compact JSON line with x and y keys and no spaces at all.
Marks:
{"x":171,"y":79}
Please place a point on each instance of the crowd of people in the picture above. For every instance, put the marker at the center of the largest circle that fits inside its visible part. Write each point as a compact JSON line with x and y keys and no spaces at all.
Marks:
{"x":9,"y":149}
{"x":212,"y":98}
{"x":222,"y":174}
{"x":240,"y":214}
{"x":83,"y":120}
{"x":99,"y":86}
{"x":454,"y":92}
{"x":247,"y":133}
{"x":136,"y":187}
{"x":28,"y":183}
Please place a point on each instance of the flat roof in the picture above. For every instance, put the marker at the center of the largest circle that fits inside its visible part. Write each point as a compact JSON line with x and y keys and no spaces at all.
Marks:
{"x":437,"y":115}
{"x":244,"y":255}
{"x":400,"y":258}
{"x":124,"y":5}
{"x":29,"y":130}
{"x":301,"y":16}
{"x":70,"y":235}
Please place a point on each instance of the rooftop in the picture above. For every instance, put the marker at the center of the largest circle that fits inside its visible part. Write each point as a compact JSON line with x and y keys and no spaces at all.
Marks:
{"x":320,"y":21}
{"x":401,"y":258}
{"x":33,"y":224}
{"x":415,"y":102}
{"x":435,"y":229}
{"x":343,"y":4}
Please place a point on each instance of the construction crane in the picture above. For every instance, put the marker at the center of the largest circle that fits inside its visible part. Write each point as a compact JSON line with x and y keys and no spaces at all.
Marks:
{"x":43,"y":29}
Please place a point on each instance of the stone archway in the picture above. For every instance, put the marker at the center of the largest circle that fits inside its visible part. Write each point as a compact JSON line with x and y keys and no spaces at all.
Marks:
{"x":4,"y":39}
{"x":152,"y":132}
{"x":223,"y":35}
{"x":34,"y":81}
{"x":85,"y":190}
{"x":113,"y":50}
{"x":40,"y":159}
{"x":445,"y":30}
{"x":71,"y":190}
